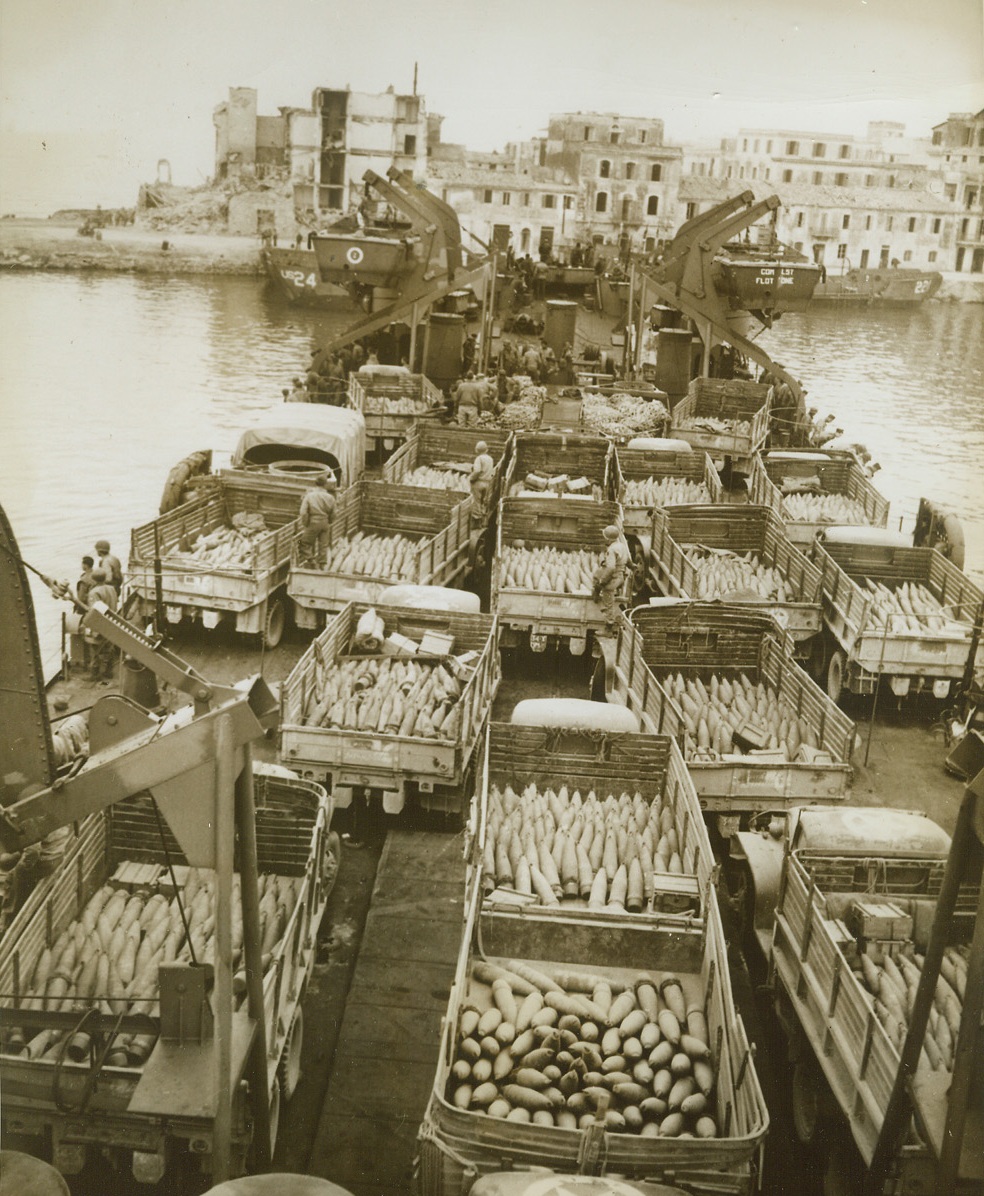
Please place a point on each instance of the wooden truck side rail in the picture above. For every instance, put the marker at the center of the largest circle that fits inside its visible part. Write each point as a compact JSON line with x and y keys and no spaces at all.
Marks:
{"x":428,"y":445}
{"x":456,"y":1145}
{"x":648,"y":764}
{"x":847,"y":608}
{"x":739,"y":529}
{"x":837,"y":1016}
{"x":382,"y":425}
{"x":292,"y":840}
{"x":387,"y":760}
{"x":569,"y":524}
{"x":551,"y":454}
{"x":279,"y":508}
{"x":638,"y":465}
{"x":439,"y":521}
{"x":839,"y":472}
{"x":698,"y":639}
{"x":726,"y":400}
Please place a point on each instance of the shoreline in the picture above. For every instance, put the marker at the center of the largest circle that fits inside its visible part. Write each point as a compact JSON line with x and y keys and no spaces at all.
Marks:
{"x":36,"y":244}
{"x":33,"y":244}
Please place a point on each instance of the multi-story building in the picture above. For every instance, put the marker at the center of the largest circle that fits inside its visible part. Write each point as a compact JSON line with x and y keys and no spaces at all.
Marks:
{"x":627,"y":177}
{"x":843,"y":227}
{"x":532,"y":211}
{"x":958,"y":147}
{"x":883,"y":158}
{"x":327,"y":148}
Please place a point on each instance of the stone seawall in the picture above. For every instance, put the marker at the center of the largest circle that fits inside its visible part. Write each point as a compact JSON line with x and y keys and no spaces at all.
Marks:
{"x":43,"y":245}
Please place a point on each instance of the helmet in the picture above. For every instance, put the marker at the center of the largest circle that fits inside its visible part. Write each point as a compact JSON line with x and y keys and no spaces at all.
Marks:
{"x":102,"y":546}
{"x":610,"y":532}
{"x":481,"y":447}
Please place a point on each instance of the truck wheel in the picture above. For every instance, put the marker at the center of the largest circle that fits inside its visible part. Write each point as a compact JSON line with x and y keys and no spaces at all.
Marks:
{"x":819,"y":656}
{"x":835,"y":674}
{"x":290,"y":1061}
{"x":807,"y":1104}
{"x":276,"y":621}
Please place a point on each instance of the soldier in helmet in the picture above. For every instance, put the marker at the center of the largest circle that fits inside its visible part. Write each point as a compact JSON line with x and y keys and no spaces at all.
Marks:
{"x":111,"y":565}
{"x":609,"y":577}
{"x":316,"y":515}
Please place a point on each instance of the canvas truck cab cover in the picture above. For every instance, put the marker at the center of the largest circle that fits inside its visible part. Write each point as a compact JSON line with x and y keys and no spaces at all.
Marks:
{"x":308,"y":433}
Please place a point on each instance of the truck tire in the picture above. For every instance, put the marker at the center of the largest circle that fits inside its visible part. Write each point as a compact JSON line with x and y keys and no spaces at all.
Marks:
{"x":836,"y":667}
{"x":275,"y":623}
{"x":290,"y":1061}
{"x":807,"y":1105}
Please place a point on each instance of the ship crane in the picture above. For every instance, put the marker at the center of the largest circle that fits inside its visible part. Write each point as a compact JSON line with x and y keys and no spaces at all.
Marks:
{"x":717,"y":284}
{"x":197,"y":766}
{"x":406,"y":266}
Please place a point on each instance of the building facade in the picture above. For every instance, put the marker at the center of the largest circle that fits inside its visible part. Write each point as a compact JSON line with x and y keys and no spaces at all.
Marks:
{"x":843,"y":228}
{"x":327,"y":148}
{"x":531,"y":211}
{"x":958,"y":147}
{"x":627,"y":178}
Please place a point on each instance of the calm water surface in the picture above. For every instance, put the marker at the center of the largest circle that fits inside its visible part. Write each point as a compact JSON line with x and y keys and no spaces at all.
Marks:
{"x":108,"y":380}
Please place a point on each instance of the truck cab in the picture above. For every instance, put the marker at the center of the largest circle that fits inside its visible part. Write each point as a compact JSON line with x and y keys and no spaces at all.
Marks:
{"x":289,"y":442}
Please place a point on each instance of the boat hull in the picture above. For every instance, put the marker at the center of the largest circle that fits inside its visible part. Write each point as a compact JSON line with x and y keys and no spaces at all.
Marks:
{"x":770,"y":286}
{"x":294,"y":273}
{"x":880,"y":288}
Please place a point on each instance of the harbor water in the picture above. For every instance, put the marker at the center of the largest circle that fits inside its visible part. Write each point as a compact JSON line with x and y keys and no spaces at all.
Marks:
{"x":108,"y":380}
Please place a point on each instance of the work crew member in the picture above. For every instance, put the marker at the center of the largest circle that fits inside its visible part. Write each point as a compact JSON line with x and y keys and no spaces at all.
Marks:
{"x":299,"y":394}
{"x":468,"y":400}
{"x":85,"y":582}
{"x":480,"y":478}
{"x":532,"y":364}
{"x":110,"y":565}
{"x":609,"y":577}
{"x":782,"y":415}
{"x":103,"y":652}
{"x":317,"y":513}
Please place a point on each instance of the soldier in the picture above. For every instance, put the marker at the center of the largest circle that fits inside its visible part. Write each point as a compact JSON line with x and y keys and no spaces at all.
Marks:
{"x":481,"y":478}
{"x":316,"y":515}
{"x":609,"y":577}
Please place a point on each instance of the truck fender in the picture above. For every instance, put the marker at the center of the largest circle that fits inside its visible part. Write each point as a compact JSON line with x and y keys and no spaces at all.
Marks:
{"x":757,"y":859}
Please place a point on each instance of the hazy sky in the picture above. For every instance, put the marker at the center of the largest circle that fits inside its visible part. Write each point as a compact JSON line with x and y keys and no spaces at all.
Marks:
{"x":94,"y":93}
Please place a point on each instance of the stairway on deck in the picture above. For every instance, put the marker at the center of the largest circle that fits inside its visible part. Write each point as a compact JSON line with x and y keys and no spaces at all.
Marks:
{"x":386,"y":1057}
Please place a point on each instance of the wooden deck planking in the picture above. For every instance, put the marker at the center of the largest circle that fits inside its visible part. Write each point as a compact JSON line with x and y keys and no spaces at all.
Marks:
{"x":386,"y":1057}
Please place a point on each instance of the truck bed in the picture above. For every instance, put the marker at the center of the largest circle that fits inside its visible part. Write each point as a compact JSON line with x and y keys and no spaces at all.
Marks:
{"x":429,"y":444}
{"x":193,"y":583}
{"x":638,"y":465}
{"x":698,"y":639}
{"x":716,"y":398}
{"x":128,"y":1109}
{"x":847,"y":609}
{"x":647,"y":764}
{"x":552,"y":454}
{"x":438,"y":522}
{"x":564,"y":523}
{"x":839,"y":472}
{"x":740,"y":530}
{"x":456,"y":1144}
{"x":381,"y":398}
{"x":833,"y":1008}
{"x":381,"y":760}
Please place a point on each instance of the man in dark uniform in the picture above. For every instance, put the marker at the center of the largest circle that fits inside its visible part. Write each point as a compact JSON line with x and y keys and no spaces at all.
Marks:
{"x":110,"y":565}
